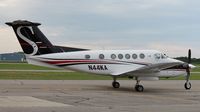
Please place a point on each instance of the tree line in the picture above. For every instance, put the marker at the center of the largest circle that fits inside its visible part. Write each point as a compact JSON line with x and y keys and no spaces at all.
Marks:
{"x":185,"y":59}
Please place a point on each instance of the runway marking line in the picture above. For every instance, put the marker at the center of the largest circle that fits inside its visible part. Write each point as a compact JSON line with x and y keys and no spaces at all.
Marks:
{"x":27,"y":101}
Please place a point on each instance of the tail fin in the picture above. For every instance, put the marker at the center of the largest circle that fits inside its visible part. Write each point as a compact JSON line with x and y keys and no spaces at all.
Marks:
{"x":31,"y":39}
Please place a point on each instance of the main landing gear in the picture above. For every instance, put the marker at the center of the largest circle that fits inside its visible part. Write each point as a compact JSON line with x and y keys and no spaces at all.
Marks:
{"x":138,"y":87}
{"x":115,"y":84}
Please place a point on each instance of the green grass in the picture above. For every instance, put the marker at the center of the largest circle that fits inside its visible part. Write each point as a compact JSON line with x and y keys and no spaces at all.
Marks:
{"x":52,"y":76}
{"x":61,"y":75}
{"x":22,"y":66}
{"x":197,"y":69}
{"x":192,"y":77}
{"x":43,"y":75}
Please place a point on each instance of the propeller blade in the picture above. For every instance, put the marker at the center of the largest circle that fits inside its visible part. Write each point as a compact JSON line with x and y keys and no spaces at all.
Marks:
{"x":189,"y":56}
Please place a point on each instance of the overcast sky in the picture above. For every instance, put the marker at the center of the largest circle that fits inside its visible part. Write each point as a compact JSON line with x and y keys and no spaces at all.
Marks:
{"x":170,"y":26}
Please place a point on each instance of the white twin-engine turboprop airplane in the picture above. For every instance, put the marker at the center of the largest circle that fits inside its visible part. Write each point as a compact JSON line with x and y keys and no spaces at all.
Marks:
{"x":138,"y":64}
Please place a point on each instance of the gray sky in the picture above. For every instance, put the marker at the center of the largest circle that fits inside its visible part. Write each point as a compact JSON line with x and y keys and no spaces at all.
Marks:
{"x":170,"y":26}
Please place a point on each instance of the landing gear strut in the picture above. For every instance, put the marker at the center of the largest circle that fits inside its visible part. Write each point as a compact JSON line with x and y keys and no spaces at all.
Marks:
{"x":115,"y":84}
{"x":138,"y":87}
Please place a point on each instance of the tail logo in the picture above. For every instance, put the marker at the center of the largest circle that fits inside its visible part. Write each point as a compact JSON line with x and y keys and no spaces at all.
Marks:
{"x":35,"y":47}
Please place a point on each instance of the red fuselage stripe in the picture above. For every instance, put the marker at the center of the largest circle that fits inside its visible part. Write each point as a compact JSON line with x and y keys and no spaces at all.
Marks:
{"x":73,"y":61}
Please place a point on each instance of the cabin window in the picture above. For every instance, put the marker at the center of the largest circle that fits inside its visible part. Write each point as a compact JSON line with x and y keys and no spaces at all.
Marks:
{"x":87,"y":56}
{"x":113,"y":56}
{"x":142,"y":56}
{"x":120,"y":56}
{"x":101,"y":56}
{"x":134,"y":56}
{"x":127,"y":56}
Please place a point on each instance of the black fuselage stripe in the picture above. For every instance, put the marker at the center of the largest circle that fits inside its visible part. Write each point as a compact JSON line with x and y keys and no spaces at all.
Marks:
{"x":88,"y":63}
{"x":103,"y":60}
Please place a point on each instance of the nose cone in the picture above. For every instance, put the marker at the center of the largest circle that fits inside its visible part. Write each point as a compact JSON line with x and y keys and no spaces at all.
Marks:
{"x":175,"y":61}
{"x":192,"y":66}
{"x":180,"y":62}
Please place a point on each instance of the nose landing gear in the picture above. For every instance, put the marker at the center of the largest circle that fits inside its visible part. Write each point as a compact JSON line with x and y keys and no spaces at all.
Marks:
{"x":188,"y":85}
{"x":187,"y":68}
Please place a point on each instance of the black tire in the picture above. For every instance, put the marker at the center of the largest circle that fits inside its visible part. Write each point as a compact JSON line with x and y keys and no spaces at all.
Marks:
{"x":139,"y":88}
{"x":136,"y":86}
{"x":115,"y":84}
{"x":187,"y":85}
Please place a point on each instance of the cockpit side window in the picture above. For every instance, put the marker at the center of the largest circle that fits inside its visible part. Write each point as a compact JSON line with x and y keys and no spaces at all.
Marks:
{"x":162,"y":56}
{"x":157,"y":56}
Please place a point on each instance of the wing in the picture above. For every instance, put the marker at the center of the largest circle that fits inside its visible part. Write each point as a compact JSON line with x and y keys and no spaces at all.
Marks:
{"x":157,"y":67}
{"x":151,"y":68}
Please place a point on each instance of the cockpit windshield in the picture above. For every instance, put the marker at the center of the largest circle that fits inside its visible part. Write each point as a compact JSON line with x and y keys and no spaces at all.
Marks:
{"x":160,"y":56}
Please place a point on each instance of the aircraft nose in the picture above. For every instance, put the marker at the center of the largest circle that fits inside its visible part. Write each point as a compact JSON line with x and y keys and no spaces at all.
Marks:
{"x":174,"y":60}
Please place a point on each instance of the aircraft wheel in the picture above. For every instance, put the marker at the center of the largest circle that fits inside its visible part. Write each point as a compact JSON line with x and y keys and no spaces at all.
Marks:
{"x":188,"y":85}
{"x":115,"y":84}
{"x":139,"y":88}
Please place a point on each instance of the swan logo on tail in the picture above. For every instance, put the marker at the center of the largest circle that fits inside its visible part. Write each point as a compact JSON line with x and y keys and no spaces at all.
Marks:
{"x":35,"y":47}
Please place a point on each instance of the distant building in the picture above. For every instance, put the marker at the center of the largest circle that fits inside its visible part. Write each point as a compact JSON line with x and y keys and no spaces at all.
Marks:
{"x":17,"y":57}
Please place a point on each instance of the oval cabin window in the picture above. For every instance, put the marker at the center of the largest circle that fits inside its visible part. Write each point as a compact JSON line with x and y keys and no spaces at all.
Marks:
{"x":120,"y":56}
{"x":127,"y":56}
{"x":134,"y":56}
{"x":101,"y":56}
{"x":113,"y":56}
{"x":87,"y":56}
{"x":142,"y":56}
